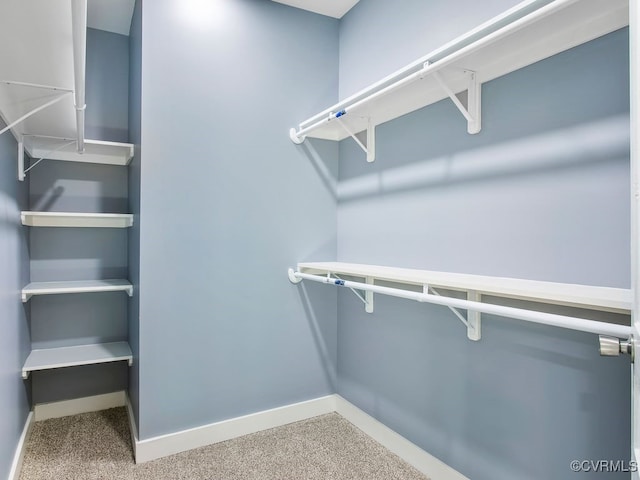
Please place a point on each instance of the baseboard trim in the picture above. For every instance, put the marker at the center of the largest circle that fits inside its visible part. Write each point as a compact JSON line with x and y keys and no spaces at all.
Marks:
{"x":408,"y":451}
{"x":164,"y":445}
{"x":64,"y":408}
{"x":16,"y":465}
{"x":133,"y":429}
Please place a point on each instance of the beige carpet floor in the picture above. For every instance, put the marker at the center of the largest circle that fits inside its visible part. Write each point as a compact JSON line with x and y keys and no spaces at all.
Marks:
{"x":97,"y":446}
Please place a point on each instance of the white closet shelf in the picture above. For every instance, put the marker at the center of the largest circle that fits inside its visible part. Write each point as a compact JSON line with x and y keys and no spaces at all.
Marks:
{"x":607,"y":299}
{"x":96,"y":151}
{"x":50,"y":358}
{"x":529,"y":32}
{"x":81,"y":286}
{"x":67,"y":219}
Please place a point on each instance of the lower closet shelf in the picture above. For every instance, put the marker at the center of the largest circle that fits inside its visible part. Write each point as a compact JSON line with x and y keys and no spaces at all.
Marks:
{"x":76,"y":286}
{"x":75,"y":219}
{"x":49,"y":358}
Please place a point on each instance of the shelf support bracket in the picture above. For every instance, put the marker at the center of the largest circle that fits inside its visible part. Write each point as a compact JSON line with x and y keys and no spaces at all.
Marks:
{"x":472,"y":320}
{"x":25,"y":297}
{"x":22,"y":172}
{"x":367,"y":299}
{"x":25,"y":374}
{"x":370,"y":148}
{"x":474,"y":331}
{"x":368,"y":296}
{"x":472,"y":112}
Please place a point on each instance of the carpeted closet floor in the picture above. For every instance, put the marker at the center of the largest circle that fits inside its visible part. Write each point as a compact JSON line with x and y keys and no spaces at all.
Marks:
{"x":97,"y":445}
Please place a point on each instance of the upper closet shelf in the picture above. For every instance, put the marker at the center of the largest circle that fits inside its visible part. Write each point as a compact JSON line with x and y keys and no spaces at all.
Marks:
{"x":433,"y":287}
{"x":42,"y":68}
{"x":76,"y":286}
{"x":529,"y":32}
{"x":64,"y":219}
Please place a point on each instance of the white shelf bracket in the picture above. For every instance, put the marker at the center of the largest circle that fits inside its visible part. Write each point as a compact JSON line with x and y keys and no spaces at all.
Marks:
{"x":25,"y":374}
{"x":474,"y":331}
{"x":25,"y":297}
{"x":368,"y":304}
{"x":472,"y":112}
{"x":22,"y":172}
{"x":368,"y":296}
{"x":129,"y":291}
{"x":471,"y":321}
{"x":370,"y":148}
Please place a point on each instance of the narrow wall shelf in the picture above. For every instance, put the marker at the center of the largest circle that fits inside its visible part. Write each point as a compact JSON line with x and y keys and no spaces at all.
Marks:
{"x":615,"y":300}
{"x":82,"y":286}
{"x":529,"y":32}
{"x":67,"y":219}
{"x":96,"y":151}
{"x":435,"y":287}
{"x":50,"y":358}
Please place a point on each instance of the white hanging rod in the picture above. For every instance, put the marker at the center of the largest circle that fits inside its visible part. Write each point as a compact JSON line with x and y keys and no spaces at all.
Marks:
{"x":345,"y":107}
{"x":79,"y":22}
{"x":563,"y":321}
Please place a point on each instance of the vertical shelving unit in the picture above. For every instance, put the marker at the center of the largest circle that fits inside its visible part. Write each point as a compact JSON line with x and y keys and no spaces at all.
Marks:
{"x":76,"y":355}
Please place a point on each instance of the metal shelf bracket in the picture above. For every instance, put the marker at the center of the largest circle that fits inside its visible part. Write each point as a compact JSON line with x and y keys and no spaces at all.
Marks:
{"x":370,"y":148}
{"x":472,"y":112}
{"x":22,"y":172}
{"x":472,"y":321}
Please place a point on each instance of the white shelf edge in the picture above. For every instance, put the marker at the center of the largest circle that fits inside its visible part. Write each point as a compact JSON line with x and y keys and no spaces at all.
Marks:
{"x":96,"y":151}
{"x":74,"y":219}
{"x":76,"y":286}
{"x":607,"y":299}
{"x":61,"y":357}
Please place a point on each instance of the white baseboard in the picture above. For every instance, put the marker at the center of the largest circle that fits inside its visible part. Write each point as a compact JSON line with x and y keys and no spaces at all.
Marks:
{"x":133,"y":429}
{"x":65,"y":408}
{"x":177,"y":442}
{"x":16,"y":466}
{"x":409,"y":452}
{"x":161,"y":446}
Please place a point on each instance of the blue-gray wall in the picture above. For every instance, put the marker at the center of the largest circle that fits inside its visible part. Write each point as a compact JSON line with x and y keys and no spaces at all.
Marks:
{"x":541,"y":193}
{"x":80,"y":253}
{"x":14,"y":274}
{"x":135,"y":85}
{"x":227,"y":203}
{"x":107,"y":82}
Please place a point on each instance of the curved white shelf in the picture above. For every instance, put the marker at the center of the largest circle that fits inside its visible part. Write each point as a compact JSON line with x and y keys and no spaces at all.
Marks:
{"x":76,"y":286}
{"x":83,"y":220}
{"x":607,"y":299}
{"x":525,"y":34}
{"x":50,"y":358}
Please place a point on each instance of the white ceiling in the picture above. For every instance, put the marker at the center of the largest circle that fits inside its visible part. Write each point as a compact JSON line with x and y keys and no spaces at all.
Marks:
{"x":115,"y":15}
{"x":110,"y":15}
{"x":331,"y":8}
